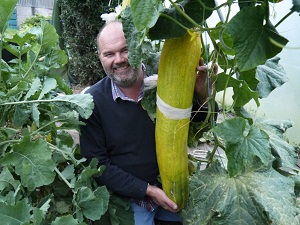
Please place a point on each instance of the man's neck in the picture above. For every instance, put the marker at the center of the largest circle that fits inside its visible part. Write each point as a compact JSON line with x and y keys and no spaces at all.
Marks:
{"x":133,"y":91}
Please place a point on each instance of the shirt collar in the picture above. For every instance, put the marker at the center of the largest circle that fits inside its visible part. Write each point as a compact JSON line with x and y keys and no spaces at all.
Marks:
{"x":118,"y":93}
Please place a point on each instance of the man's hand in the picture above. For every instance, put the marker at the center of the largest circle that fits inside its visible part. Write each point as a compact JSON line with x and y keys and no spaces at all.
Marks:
{"x":201,"y":81}
{"x":160,"y":198}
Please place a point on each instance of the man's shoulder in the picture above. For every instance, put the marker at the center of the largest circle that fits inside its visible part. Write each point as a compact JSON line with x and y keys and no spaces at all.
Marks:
{"x":101,"y":87}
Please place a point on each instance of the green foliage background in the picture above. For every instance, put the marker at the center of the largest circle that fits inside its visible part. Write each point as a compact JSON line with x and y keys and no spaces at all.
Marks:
{"x":80,"y":23}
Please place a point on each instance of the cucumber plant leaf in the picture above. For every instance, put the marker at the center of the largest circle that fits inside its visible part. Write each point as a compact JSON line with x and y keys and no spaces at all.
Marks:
{"x":270,"y":75}
{"x":193,"y":8}
{"x":254,"y":41}
{"x":256,"y":197}
{"x":245,"y":145}
{"x":242,"y":92}
{"x":249,"y":77}
{"x":145,"y":13}
{"x":296,"y":6}
{"x":285,"y":153}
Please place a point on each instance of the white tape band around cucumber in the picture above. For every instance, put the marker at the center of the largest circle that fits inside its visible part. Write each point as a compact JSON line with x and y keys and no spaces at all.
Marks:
{"x":172,"y":112}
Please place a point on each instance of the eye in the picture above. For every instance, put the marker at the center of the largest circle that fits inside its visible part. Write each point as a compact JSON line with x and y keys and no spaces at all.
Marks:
{"x":108,"y":55}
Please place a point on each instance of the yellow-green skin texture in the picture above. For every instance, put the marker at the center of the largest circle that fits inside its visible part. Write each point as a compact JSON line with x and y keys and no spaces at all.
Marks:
{"x":175,"y":86}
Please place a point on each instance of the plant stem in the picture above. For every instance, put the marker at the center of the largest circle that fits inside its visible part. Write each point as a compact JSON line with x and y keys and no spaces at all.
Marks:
{"x":215,"y":8}
{"x":63,"y":178}
{"x":175,"y":21}
{"x":51,"y":122}
{"x":1,"y":46}
{"x":32,"y":101}
{"x":284,"y":18}
{"x":184,"y":14}
{"x":216,"y":146}
{"x":32,"y":64}
{"x":69,"y":154}
{"x":9,"y":141}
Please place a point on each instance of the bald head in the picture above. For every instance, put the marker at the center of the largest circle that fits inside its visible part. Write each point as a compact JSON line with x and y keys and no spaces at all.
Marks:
{"x":113,"y":55}
{"x":109,"y":32}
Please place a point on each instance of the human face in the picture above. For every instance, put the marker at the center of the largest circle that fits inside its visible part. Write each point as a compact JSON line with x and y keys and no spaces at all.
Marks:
{"x":113,"y":55}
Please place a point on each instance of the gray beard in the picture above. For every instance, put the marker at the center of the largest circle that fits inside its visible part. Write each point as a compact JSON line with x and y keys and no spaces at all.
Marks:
{"x":124,"y":83}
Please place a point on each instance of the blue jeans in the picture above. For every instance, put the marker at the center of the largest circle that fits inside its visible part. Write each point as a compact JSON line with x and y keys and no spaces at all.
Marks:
{"x":144,"y":217}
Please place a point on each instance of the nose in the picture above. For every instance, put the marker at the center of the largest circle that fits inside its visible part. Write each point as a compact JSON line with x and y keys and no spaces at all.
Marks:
{"x":120,"y":57}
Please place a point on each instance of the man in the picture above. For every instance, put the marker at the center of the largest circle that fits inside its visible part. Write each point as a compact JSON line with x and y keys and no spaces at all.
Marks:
{"x":121,"y":135}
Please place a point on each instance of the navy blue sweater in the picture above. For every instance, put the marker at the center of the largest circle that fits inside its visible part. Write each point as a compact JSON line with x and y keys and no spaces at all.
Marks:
{"x":121,"y":136}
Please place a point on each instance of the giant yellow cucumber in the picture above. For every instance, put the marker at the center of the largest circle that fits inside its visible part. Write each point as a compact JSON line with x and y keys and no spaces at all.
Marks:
{"x":175,"y":88}
{"x":125,"y":3}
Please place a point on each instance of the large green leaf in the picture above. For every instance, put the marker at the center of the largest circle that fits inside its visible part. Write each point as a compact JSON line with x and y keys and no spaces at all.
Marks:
{"x":242,"y":92}
{"x":88,"y":174}
{"x":133,"y":37}
{"x":91,"y":204}
{"x":285,"y":154}
{"x":35,"y":114}
{"x":249,"y":77}
{"x":20,"y":116}
{"x":20,"y":86}
{"x":119,"y":212}
{"x":165,"y":28}
{"x":37,"y":216}
{"x":15,"y":214}
{"x":254,"y":198}
{"x":245,"y":3}
{"x":21,"y":46}
{"x":66,"y":220}
{"x":270,"y":75}
{"x":254,"y":40}
{"x":48,"y":85}
{"x":32,"y":161}
{"x":6,"y":10}
{"x":45,"y":34}
{"x":58,"y":74}
{"x":149,"y":103}
{"x":35,"y":87}
{"x":296,"y":6}
{"x":82,"y":103}
{"x":145,"y":13}
{"x":245,"y":145}
{"x":7,"y":181}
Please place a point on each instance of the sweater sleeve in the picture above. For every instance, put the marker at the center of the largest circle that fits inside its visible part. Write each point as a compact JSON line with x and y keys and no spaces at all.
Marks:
{"x":92,"y":145}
